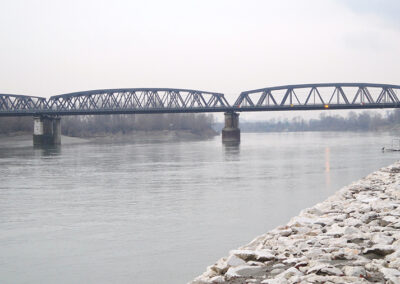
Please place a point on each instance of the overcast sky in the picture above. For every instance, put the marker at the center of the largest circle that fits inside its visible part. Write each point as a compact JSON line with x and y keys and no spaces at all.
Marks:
{"x":50,"y":47}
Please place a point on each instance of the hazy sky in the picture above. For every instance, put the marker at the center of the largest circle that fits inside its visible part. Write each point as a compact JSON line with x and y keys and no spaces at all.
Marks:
{"x":50,"y":47}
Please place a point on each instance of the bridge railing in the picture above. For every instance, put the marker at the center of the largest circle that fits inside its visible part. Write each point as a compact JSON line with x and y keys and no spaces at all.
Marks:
{"x":351,"y":95}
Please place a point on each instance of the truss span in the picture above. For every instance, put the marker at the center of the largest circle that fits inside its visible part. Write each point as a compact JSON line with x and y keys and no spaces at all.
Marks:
{"x":21,"y":105}
{"x":165,"y":100}
{"x":320,"y":96}
{"x":138,"y":100}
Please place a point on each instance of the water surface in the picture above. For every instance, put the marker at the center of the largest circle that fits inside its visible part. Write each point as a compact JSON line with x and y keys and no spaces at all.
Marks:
{"x":161,"y":211}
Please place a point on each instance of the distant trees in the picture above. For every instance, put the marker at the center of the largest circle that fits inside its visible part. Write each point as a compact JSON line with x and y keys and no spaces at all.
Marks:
{"x":364,"y":121}
{"x":105,"y":124}
{"x":15,"y":124}
{"x":394,"y":117}
{"x":81,"y":126}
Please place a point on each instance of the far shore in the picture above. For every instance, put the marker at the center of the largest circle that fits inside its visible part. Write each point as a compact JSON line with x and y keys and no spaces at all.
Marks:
{"x":137,"y":136}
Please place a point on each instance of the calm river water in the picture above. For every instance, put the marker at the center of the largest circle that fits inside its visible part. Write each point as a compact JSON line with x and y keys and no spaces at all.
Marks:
{"x":161,"y":211}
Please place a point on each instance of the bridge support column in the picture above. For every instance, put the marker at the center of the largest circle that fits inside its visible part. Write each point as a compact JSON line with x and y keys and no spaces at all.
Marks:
{"x":46,"y":130}
{"x":231,"y":131}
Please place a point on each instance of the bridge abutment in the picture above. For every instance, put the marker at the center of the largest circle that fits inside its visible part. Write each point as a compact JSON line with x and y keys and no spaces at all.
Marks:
{"x":46,"y":130}
{"x":231,"y":131}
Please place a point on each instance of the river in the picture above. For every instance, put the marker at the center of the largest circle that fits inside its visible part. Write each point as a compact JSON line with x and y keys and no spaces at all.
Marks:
{"x":158,"y":210}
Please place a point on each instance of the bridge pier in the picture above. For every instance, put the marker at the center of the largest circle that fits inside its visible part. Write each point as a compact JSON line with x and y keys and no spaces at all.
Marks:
{"x":231,"y":131}
{"x":46,"y":130}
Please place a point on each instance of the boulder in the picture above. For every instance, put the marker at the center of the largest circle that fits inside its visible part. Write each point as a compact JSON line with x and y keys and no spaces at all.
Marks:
{"x":233,"y":260}
{"x":245,"y":271}
{"x":356,"y":271}
{"x":380,"y":250}
{"x":324,"y":269}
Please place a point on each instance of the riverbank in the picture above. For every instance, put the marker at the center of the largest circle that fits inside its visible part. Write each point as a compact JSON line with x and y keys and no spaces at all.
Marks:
{"x":352,"y":237}
{"x":25,"y":139}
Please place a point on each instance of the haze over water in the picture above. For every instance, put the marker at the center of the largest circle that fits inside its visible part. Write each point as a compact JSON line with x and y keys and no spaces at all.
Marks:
{"x":161,"y":211}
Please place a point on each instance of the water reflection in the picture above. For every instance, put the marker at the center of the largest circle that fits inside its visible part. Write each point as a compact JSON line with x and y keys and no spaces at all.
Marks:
{"x":47,"y":151}
{"x":231,"y":143}
{"x":232,"y":151}
{"x":327,"y":166}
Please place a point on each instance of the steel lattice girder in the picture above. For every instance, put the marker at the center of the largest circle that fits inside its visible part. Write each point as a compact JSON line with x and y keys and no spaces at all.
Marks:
{"x":319,"y":96}
{"x":138,"y":100}
{"x":19,"y":104}
{"x":164,"y":100}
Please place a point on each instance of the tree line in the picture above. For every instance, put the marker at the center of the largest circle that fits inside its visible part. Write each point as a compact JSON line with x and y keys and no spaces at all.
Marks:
{"x":365,"y":121}
{"x":84,"y":126}
{"x":90,"y":125}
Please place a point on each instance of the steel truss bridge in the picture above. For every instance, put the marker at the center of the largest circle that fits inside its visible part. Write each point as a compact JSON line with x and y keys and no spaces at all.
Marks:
{"x":165,"y":100}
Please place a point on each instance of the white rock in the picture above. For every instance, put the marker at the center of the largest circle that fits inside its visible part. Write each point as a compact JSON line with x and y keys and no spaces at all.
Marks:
{"x":380,"y":249}
{"x":356,"y":271}
{"x":300,"y":230}
{"x":220,"y":267}
{"x":294,"y":279}
{"x":286,"y":232}
{"x":233,"y":260}
{"x":335,"y":230}
{"x":255,"y":263}
{"x":217,"y":279}
{"x":278,"y":265}
{"x":395,"y":264}
{"x":243,"y":253}
{"x":274,"y":281}
{"x":367,"y":199}
{"x":325,"y":269}
{"x":264,"y":255}
{"x":276,"y":271}
{"x":382,"y":239}
{"x":393,"y":256}
{"x":352,"y":222}
{"x":375,"y":265}
{"x":254,"y":254}
{"x":391,"y":274}
{"x":244,"y":271}
{"x":390,"y":219}
{"x":293,"y":260}
{"x":313,"y":211}
{"x":324,"y":207}
{"x":366,"y":218}
{"x":289,"y":273}
{"x":331,"y":271}
{"x":301,"y":220}
{"x":340,"y":217}
{"x":351,"y":231}
{"x":360,"y":261}
{"x":336,"y":242}
{"x":316,"y":279}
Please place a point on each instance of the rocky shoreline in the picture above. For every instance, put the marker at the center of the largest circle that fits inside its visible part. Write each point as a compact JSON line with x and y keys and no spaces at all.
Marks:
{"x":352,"y":237}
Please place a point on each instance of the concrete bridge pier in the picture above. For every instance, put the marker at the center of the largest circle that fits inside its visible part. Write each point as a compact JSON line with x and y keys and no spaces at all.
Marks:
{"x":231,"y":131}
{"x":46,"y":130}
